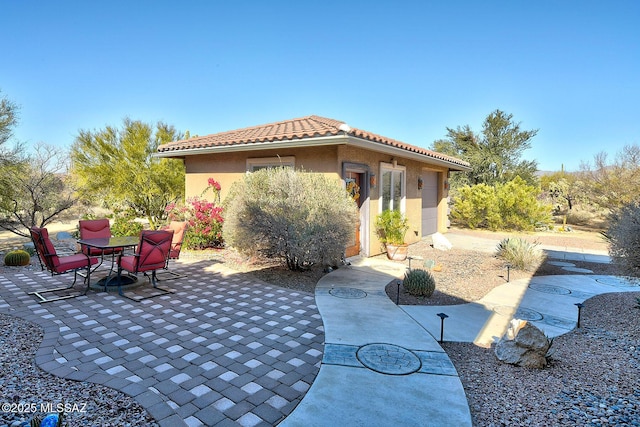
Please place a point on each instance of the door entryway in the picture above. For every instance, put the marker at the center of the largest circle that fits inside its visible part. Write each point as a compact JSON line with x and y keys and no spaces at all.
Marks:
{"x":430,"y":202}
{"x":353,"y":181}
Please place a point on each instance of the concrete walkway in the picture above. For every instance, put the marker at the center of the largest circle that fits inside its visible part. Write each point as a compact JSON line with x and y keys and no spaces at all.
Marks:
{"x":381,"y":368}
{"x":548,"y":302}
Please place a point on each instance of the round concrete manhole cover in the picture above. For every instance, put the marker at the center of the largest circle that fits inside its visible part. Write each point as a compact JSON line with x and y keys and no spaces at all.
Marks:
{"x":521,"y":313}
{"x":348,"y":293}
{"x":388,"y":359}
{"x":619,"y":281}
{"x":549,"y":289}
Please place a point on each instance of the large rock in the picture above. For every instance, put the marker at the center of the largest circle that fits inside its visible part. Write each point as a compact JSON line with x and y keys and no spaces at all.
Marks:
{"x":440,"y":242}
{"x":523,"y":345}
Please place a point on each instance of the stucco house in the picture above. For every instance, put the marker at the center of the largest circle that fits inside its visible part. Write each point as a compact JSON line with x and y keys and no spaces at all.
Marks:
{"x":380,"y":172}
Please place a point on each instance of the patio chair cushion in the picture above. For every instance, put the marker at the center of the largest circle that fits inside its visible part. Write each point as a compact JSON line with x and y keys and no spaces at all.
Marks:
{"x":57,"y":264}
{"x":96,"y":228}
{"x":72,"y":262}
{"x":179,"y":228}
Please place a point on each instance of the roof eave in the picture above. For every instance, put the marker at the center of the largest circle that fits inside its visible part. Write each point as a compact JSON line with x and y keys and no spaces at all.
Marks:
{"x":253,"y":146}
{"x":401,"y":152}
{"x":317,"y":141}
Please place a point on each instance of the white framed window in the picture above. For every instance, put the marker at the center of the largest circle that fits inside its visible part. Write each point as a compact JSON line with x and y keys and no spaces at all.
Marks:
{"x":392,"y":187}
{"x":257,"y":163}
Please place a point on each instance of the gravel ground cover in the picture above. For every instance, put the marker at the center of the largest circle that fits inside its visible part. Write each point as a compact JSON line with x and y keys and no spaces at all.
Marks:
{"x":592,"y":378}
{"x":27,"y":390}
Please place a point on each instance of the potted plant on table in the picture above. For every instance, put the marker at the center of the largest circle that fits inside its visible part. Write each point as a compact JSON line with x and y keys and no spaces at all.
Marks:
{"x":392,"y":226}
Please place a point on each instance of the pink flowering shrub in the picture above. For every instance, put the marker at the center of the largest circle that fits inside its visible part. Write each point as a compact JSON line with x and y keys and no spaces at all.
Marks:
{"x":204,"y":218}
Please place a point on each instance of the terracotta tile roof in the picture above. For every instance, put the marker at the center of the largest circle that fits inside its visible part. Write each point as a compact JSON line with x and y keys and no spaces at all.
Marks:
{"x":295,"y":129}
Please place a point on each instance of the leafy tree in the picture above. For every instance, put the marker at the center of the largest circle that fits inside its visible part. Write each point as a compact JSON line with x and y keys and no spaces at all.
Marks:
{"x":494,"y":154}
{"x":612,"y":185}
{"x":298,"y":217}
{"x":117,"y":167}
{"x":36,"y":191}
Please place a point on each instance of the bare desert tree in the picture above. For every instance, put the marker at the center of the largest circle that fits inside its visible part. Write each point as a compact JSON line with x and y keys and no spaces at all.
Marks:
{"x":36,"y":190}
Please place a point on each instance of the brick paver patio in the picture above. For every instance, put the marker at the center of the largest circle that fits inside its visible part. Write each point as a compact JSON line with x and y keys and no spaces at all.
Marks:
{"x":224,"y":349}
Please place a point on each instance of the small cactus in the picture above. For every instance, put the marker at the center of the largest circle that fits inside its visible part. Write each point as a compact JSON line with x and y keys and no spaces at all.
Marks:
{"x":419,"y":283}
{"x":17,"y":258}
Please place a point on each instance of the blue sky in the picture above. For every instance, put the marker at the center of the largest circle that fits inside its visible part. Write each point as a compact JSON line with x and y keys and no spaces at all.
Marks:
{"x":406,"y":70}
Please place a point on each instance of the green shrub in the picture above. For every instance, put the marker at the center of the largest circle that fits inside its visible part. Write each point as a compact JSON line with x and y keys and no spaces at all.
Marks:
{"x":510,"y":206}
{"x":391,"y":226}
{"x":419,"y":283}
{"x":17,"y":258}
{"x":519,"y":253}
{"x":623,"y":236}
{"x":519,"y":207}
{"x":298,"y":217}
{"x":125,"y":226}
{"x":476,"y":207}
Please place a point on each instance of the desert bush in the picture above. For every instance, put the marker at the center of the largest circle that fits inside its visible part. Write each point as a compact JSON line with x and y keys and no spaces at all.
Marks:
{"x":519,"y":207}
{"x":623,"y":236}
{"x":510,"y":206}
{"x":298,"y":217}
{"x":419,"y":282}
{"x":519,"y":253}
{"x":582,"y":217}
{"x":124,"y":224}
{"x":476,"y":207}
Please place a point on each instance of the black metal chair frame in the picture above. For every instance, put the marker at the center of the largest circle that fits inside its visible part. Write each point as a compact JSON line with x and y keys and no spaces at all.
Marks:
{"x":46,"y":262}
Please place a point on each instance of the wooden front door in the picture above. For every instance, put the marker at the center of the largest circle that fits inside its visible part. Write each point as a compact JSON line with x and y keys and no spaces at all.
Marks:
{"x":353,"y":181}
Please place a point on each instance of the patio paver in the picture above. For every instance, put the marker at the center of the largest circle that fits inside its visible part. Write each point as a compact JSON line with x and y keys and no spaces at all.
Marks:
{"x":201,"y":356}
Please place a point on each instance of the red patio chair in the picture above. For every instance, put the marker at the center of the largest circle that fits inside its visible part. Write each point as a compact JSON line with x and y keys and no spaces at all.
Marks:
{"x":151,"y":255}
{"x":179,"y":228}
{"x":80,"y":264}
{"x":96,"y":228}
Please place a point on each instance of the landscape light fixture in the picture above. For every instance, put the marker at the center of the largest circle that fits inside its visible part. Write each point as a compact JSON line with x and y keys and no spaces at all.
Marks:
{"x":442,"y":316}
{"x":579,"y":305}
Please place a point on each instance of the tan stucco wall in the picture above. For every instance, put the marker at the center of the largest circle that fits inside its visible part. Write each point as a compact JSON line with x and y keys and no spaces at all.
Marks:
{"x":227,"y":168}
{"x":413,"y":207}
